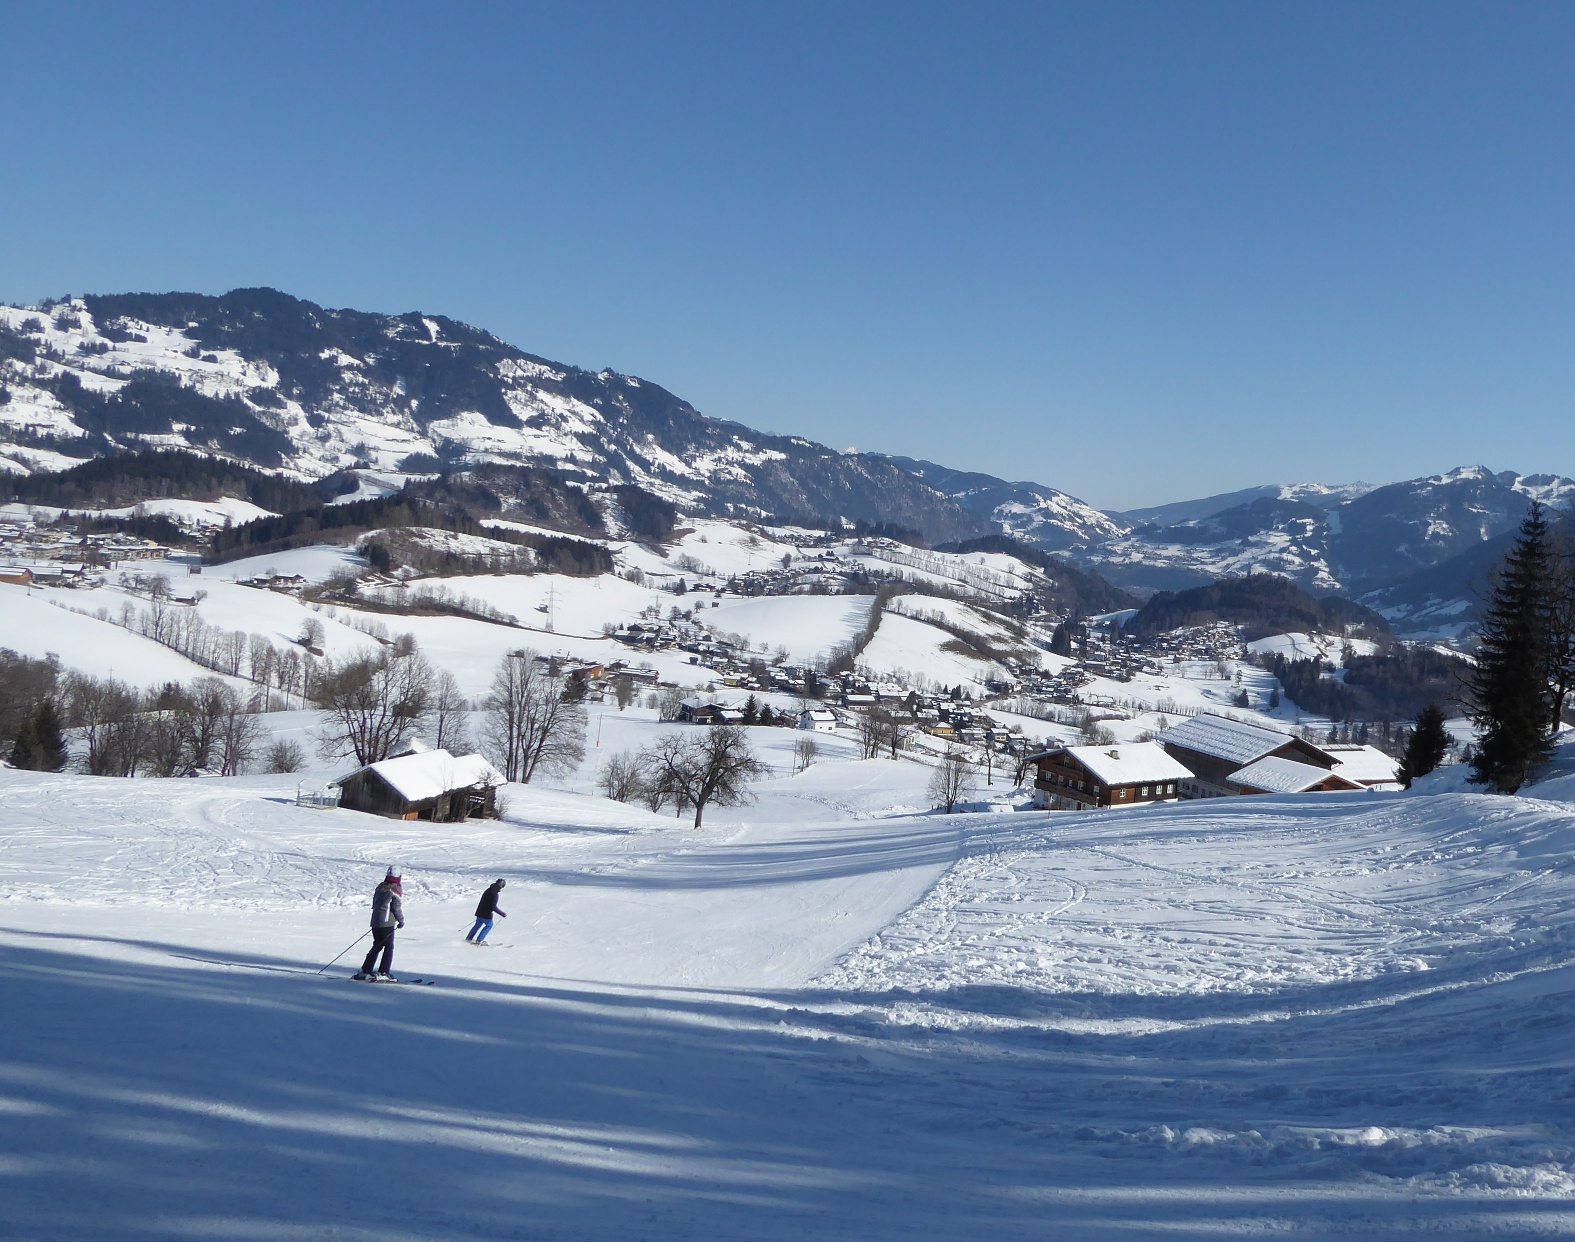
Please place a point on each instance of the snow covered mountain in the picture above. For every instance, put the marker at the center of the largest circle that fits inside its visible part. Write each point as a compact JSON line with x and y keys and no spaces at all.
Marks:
{"x":1329,"y":539}
{"x":1032,"y":512}
{"x":282,"y":382}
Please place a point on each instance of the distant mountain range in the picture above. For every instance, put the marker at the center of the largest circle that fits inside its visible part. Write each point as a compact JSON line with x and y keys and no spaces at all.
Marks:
{"x":270,"y":379}
{"x":1417,"y":551}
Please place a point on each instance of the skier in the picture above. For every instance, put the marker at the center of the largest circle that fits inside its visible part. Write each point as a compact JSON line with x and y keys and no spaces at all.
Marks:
{"x":388,"y":912}
{"x":485,"y":909}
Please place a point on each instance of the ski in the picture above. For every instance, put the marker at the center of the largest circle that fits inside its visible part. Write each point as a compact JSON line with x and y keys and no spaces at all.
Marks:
{"x":420,"y":983}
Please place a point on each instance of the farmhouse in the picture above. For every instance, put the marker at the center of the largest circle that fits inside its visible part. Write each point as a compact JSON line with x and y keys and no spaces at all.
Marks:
{"x":1367,"y":766}
{"x":1285,"y":776}
{"x":1080,"y":778}
{"x":817,"y":720}
{"x":426,"y":784}
{"x":1213,"y":749}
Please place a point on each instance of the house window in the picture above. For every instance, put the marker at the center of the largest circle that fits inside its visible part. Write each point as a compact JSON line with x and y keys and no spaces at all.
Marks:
{"x":1147,"y":790}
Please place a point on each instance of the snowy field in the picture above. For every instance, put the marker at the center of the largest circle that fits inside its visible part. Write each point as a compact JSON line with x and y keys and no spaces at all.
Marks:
{"x":822,"y":1016}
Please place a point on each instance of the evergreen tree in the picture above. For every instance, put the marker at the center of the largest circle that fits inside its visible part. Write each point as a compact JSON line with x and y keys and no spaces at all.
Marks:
{"x":1510,"y":699}
{"x":751,"y":711}
{"x":51,"y":743}
{"x":24,"y":749}
{"x":1274,"y":697}
{"x":1425,"y":746}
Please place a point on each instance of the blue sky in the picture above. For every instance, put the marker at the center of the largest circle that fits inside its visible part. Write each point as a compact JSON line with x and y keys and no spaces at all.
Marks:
{"x":1136,"y":251}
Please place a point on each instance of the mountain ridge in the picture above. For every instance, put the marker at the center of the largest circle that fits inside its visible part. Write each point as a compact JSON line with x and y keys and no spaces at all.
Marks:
{"x":279,"y":382}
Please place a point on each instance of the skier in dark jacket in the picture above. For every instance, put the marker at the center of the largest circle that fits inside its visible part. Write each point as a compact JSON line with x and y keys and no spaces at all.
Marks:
{"x":388,"y":912}
{"x":485,"y":909}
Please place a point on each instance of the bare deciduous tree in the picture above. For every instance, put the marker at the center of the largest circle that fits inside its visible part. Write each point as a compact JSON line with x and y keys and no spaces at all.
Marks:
{"x":285,"y":756}
{"x":448,"y":714}
{"x":805,"y":750}
{"x":372,"y":705}
{"x":621,"y":778}
{"x":668,"y":703}
{"x":713,"y":766}
{"x":240,"y":734}
{"x":952,"y":781}
{"x":530,"y":729}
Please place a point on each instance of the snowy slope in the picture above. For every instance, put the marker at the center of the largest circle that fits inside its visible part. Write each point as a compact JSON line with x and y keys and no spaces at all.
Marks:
{"x":1342,"y":1016}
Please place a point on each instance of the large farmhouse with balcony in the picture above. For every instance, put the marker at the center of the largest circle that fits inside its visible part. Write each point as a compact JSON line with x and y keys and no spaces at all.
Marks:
{"x":1081,"y":778}
{"x":1214,"y":749}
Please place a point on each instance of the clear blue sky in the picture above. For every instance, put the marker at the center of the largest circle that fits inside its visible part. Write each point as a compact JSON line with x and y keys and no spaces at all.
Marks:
{"x":1137,"y":251}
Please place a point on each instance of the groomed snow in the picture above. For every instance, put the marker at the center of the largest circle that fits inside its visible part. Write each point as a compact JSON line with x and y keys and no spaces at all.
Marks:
{"x":817,"y":1017}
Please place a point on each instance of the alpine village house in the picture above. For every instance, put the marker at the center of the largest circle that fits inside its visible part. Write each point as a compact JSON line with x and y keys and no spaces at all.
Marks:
{"x":1204,"y":757}
{"x":1081,"y":778}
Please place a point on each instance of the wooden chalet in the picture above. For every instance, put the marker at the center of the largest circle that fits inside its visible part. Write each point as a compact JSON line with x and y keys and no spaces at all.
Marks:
{"x":1274,"y":775}
{"x":1367,"y":766}
{"x":1213,"y":749}
{"x":1082,"y":778}
{"x":427,"y":784}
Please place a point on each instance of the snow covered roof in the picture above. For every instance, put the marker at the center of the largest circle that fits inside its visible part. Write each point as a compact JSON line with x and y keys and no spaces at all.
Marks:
{"x":1131,"y":763}
{"x":1275,"y":775}
{"x":416,"y":777}
{"x":1365,"y":764}
{"x":1225,"y":739}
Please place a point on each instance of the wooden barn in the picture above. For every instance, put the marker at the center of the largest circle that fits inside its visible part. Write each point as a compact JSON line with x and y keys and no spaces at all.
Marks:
{"x":428,"y":784}
{"x":1081,"y":778}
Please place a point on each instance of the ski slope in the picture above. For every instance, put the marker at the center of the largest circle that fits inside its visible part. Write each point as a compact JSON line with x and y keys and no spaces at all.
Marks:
{"x":821,"y":1016}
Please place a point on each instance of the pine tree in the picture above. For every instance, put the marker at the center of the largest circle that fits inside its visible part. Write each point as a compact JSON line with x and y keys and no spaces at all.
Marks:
{"x":1510,"y":700}
{"x":1425,"y":746}
{"x":751,"y":711}
{"x":1274,"y":697}
{"x":24,"y":749}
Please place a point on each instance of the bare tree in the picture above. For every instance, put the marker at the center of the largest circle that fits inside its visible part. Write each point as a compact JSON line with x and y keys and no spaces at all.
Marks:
{"x":286,"y":672}
{"x":240,"y":734}
{"x":260,"y":656}
{"x":668,"y":702}
{"x":622,"y":779}
{"x":716,"y":766}
{"x":285,"y":756}
{"x":203,"y":713}
{"x":448,"y":714}
{"x":232,"y":651}
{"x":372,"y":705}
{"x":952,"y":781}
{"x":311,"y":634}
{"x":529,"y":727}
{"x":805,"y":750}
{"x":105,"y":712}
{"x":871,"y":732}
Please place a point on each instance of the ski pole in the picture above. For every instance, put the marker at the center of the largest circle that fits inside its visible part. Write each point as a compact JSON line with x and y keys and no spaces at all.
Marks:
{"x":345,"y":950}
